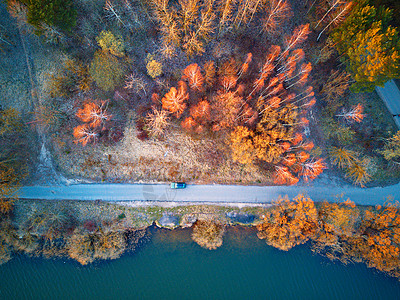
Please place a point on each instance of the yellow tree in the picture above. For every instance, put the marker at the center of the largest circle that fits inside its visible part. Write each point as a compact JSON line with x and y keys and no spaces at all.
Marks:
{"x":369,"y":45}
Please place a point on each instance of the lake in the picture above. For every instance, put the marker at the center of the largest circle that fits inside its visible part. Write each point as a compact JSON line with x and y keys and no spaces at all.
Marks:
{"x":171,"y":266}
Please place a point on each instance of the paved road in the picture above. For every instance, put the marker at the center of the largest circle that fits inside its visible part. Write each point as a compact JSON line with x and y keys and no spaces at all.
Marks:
{"x":390,"y":94}
{"x":206,"y":193}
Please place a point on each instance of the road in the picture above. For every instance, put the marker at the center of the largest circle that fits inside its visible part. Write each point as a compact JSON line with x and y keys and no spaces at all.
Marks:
{"x":207,"y":193}
{"x":390,"y":94}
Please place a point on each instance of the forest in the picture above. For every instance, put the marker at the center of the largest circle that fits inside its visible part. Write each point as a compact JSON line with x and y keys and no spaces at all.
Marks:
{"x":266,"y":92}
{"x":250,"y":92}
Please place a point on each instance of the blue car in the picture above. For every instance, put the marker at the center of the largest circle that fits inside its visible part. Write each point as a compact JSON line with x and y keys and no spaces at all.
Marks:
{"x":178,"y":185}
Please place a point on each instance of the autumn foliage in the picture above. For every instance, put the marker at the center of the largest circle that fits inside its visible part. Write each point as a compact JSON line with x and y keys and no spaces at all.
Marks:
{"x":174,"y":100}
{"x":262,"y":112}
{"x":340,"y":231}
{"x":95,"y":117}
{"x":94,"y":114}
{"x":194,"y":77}
{"x":84,"y":134}
{"x":290,"y":223}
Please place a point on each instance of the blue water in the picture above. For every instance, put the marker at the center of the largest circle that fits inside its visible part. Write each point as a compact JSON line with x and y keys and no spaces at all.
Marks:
{"x":170,"y":266}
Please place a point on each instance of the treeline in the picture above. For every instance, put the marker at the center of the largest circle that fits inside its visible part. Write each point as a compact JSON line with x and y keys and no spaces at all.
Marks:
{"x":56,"y":232}
{"x":340,"y":231}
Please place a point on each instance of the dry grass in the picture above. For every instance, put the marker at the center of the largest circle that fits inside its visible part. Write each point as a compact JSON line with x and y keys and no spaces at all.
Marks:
{"x":176,"y":157}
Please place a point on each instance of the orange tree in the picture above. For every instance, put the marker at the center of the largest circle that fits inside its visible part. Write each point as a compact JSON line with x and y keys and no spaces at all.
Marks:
{"x":289,"y":223}
{"x":379,"y":244}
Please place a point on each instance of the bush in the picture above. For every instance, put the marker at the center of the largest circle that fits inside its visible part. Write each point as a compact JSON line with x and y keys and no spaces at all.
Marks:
{"x":106,"y":70}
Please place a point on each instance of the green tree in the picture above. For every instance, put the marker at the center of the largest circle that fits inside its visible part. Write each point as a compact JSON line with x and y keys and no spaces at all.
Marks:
{"x":370,"y":46}
{"x":60,"y":13}
{"x":106,"y":70}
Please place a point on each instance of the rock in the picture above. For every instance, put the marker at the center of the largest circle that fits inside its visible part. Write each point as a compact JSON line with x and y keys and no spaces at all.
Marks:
{"x":241,"y":217}
{"x":168,"y":220}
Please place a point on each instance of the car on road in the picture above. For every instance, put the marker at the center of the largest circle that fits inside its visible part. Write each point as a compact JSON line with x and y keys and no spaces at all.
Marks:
{"x":178,"y":185}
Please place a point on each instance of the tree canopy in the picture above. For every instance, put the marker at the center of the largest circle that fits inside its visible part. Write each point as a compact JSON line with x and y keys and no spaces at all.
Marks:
{"x":370,"y":46}
{"x":59,"y":13}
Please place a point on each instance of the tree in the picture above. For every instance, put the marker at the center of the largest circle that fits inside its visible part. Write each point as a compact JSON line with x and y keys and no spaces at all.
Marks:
{"x":358,"y":173}
{"x":391,"y":150}
{"x":337,"y":223}
{"x":355,"y":114}
{"x":311,"y":169}
{"x":9,"y":185}
{"x":242,"y":145}
{"x":277,"y":12}
{"x":157,"y":121}
{"x":226,"y":107}
{"x":174,"y":100}
{"x":71,"y":77}
{"x":299,"y":35}
{"x":201,"y":111}
{"x":111,"y":43}
{"x":337,"y":12}
{"x":192,"y":73}
{"x":208,"y":234}
{"x":289,"y":223}
{"x":283,"y":176}
{"x":84,"y":134}
{"x":226,"y":9}
{"x":336,"y":85}
{"x":94,"y":114}
{"x":209,"y":70}
{"x":342,"y":157}
{"x":381,"y":245}
{"x":135,"y":83}
{"x":81,"y":246}
{"x":106,"y":70}
{"x":154,"y":68}
{"x":188,"y":123}
{"x":370,"y":46}
{"x":60,"y":13}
